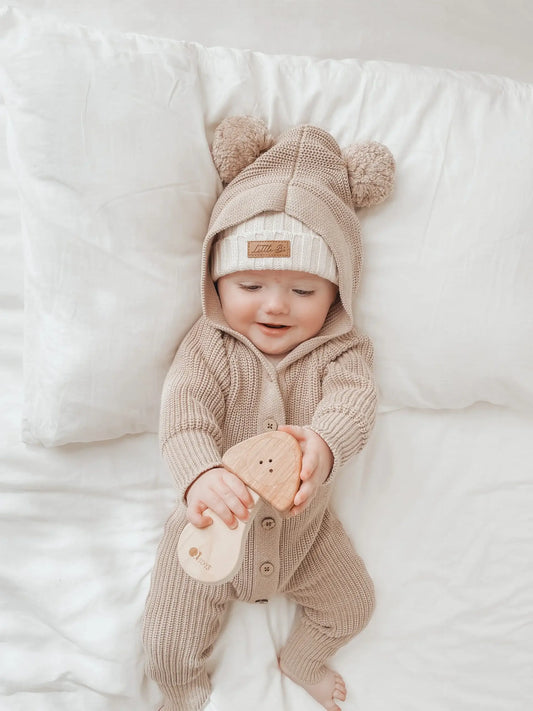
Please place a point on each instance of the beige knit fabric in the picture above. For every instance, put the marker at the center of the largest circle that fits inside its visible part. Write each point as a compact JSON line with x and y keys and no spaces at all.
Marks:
{"x":304,"y":175}
{"x":221,"y":390}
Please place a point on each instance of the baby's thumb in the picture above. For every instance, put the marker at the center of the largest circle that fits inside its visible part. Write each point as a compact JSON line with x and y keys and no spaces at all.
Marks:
{"x":295,"y":430}
{"x":197,"y":518}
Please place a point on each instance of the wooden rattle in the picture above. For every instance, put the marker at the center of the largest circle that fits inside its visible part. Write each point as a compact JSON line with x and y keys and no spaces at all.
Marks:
{"x":269,"y":464}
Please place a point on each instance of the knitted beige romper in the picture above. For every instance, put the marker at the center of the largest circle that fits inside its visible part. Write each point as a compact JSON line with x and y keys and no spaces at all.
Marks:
{"x":221,"y":390}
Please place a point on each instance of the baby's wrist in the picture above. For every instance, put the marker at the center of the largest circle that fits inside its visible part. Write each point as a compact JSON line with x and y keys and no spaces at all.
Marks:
{"x":325,"y":448}
{"x":195,"y":481}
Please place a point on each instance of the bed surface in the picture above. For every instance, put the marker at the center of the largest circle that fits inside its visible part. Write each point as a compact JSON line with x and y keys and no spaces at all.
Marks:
{"x":438,"y":504}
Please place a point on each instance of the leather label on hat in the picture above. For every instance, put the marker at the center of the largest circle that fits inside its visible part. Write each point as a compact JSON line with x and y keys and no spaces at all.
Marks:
{"x":269,"y":248}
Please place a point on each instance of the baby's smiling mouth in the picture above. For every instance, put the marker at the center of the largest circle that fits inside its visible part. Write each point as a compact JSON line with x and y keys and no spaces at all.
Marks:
{"x":274,"y":325}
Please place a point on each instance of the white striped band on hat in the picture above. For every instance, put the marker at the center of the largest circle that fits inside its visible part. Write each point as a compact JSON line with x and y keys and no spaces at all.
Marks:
{"x":272,"y":240}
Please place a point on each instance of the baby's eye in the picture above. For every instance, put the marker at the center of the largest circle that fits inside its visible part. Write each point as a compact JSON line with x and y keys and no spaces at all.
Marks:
{"x":250,"y":287}
{"x":303,"y":292}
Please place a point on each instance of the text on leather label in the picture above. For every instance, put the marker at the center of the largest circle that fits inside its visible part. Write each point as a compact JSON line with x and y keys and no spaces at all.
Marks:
{"x":270,"y":248}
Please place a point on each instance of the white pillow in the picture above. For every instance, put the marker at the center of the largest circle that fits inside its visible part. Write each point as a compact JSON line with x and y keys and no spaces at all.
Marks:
{"x":109,"y":140}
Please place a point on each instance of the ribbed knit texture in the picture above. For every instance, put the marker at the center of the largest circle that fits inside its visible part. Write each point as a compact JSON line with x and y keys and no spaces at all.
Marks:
{"x":308,"y":252}
{"x":305,"y":176}
{"x":336,"y":598}
{"x":221,"y":390}
{"x":212,"y":398}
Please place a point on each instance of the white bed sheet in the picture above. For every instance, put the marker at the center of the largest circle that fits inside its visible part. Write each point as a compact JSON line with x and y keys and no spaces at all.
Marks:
{"x":440,"y":509}
{"x":446,"y":538}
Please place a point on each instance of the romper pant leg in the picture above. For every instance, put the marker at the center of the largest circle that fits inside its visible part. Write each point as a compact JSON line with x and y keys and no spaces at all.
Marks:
{"x":181,"y":623}
{"x":336,"y":595}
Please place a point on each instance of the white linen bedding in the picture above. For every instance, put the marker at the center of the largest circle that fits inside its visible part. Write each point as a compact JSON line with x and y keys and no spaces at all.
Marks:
{"x":439,"y":505}
{"x":445,"y":527}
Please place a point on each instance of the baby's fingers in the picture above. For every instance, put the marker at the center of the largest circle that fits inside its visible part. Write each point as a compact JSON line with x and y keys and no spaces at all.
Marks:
{"x":239,"y":489}
{"x":195,"y":514}
{"x":304,"y":494}
{"x":309,"y":465}
{"x":295,"y":430}
{"x":223,"y":512}
{"x":297,"y":509}
{"x":214,"y":501}
{"x":228,"y":506}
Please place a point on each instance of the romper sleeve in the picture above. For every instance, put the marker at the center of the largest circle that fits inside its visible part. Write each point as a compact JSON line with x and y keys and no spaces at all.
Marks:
{"x":193,"y":406}
{"x":346,"y":414}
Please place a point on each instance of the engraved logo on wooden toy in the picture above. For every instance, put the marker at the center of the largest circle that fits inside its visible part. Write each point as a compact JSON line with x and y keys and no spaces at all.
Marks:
{"x":197,"y":555}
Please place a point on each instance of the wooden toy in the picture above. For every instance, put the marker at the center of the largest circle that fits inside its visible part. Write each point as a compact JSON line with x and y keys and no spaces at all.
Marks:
{"x":269,"y":464}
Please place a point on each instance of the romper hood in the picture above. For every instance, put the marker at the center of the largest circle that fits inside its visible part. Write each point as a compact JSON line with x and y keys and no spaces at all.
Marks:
{"x":304,"y":174}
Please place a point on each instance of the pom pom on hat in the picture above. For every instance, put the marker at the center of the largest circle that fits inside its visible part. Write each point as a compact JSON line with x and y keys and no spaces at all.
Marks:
{"x":370,"y":173}
{"x":237,"y":142}
{"x":302,"y":174}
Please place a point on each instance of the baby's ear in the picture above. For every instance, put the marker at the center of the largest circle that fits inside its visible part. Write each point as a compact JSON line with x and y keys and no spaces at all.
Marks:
{"x":237,"y":142}
{"x":370,"y":172}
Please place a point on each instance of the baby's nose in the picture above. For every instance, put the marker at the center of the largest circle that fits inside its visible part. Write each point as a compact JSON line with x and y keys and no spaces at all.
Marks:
{"x":276,"y":304}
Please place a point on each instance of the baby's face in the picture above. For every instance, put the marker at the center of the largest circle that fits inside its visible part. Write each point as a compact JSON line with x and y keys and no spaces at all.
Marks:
{"x":275,"y":310}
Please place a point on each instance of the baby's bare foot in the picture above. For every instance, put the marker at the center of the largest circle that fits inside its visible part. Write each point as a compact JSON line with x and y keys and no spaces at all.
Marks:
{"x":327,"y":691}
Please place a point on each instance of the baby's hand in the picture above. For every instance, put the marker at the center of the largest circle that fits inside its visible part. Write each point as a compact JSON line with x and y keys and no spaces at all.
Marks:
{"x":222,"y":492}
{"x":317,"y":461}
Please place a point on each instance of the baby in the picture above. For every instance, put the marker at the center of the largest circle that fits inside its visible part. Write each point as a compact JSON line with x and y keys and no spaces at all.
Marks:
{"x":275,"y":347}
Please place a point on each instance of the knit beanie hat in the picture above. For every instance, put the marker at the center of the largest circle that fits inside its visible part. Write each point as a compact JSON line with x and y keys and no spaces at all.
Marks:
{"x":302,"y":175}
{"x":272,"y":240}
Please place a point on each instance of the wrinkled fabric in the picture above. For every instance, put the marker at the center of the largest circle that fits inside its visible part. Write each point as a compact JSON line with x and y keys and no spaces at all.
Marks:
{"x":439,"y":503}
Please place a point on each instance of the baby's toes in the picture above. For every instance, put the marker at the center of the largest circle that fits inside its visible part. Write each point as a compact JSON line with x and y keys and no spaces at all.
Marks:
{"x":340,"y":688}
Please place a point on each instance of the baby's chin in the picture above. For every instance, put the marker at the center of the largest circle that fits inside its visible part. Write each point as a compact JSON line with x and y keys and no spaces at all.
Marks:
{"x":272,"y":351}
{"x":275,"y":350}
